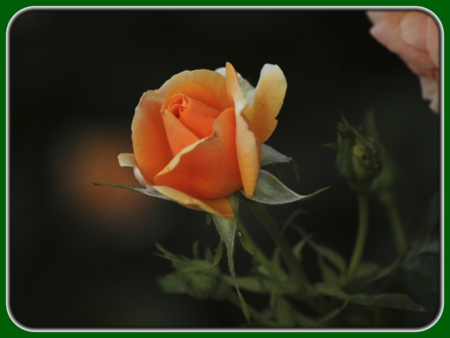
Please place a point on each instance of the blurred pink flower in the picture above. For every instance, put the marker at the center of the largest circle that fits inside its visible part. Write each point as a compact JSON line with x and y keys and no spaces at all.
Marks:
{"x":414,"y":36}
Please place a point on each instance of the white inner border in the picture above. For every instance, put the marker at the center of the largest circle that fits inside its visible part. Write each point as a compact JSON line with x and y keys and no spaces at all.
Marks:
{"x":343,"y":8}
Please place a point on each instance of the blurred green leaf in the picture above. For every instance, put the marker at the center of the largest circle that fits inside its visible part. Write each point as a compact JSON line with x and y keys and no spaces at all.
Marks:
{"x":262,"y":284}
{"x":366,"y":271}
{"x":218,"y":255}
{"x":422,"y":262}
{"x":424,"y":270}
{"x":328,"y":274}
{"x":208,"y":219}
{"x":172,"y":284}
{"x":246,"y":243}
{"x":426,"y":229}
{"x":297,"y":249}
{"x":306,"y":321}
{"x":195,"y":253}
{"x":283,"y":311}
{"x":331,"y":255}
{"x":391,"y":300}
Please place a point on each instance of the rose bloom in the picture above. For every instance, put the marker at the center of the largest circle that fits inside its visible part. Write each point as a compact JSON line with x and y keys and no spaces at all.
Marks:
{"x":414,"y":36}
{"x":197,"y":139}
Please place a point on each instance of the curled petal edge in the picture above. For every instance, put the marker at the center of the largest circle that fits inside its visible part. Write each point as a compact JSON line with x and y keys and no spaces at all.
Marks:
{"x":247,"y":146}
{"x":219,"y":207}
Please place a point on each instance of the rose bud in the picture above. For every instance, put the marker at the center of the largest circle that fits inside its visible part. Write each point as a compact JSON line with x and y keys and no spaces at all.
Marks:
{"x":358,"y":159}
{"x":197,"y":139}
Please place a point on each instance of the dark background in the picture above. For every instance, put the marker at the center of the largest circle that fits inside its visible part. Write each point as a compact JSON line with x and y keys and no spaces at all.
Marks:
{"x":83,"y":256}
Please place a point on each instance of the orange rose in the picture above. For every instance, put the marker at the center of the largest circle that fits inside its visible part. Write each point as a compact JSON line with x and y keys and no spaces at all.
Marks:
{"x":198,"y":138}
{"x":414,"y":36}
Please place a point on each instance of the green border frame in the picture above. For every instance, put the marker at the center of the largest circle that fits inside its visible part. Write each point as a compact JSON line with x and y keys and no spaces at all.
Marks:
{"x":8,"y":11}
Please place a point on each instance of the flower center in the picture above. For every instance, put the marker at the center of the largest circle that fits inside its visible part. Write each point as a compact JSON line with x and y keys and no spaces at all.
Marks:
{"x":194,"y":115}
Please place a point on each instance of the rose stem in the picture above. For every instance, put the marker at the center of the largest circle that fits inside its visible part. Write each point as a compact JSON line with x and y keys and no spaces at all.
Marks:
{"x":362,"y":235}
{"x":397,"y":227}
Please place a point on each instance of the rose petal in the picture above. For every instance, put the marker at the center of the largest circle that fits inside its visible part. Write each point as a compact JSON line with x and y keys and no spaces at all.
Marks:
{"x":413,"y":29}
{"x":207,"y":169}
{"x":192,"y":90}
{"x":387,"y":33}
{"x":191,"y":110}
{"x":433,"y":40}
{"x":430,"y":91}
{"x":127,"y":160}
{"x":210,"y":80}
{"x":269,"y":97}
{"x":220,"y":206}
{"x":150,"y":145}
{"x":247,"y":146}
{"x":201,"y":126}
{"x":178,"y":136}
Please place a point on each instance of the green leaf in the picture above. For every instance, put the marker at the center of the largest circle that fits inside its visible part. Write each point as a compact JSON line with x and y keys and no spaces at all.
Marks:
{"x":269,"y":190}
{"x":332,"y":256}
{"x":246,"y":243}
{"x":297,"y":249}
{"x":195,"y":253}
{"x":146,"y":191}
{"x":262,"y":284}
{"x":270,"y":156}
{"x":366,"y":271}
{"x":289,"y":221}
{"x":227,"y":231}
{"x":391,"y":300}
{"x":384,"y":272}
{"x":424,"y":270}
{"x":218,"y":254}
{"x":328,"y":274}
{"x":308,"y":322}
{"x":208,"y":219}
{"x":283,"y":311}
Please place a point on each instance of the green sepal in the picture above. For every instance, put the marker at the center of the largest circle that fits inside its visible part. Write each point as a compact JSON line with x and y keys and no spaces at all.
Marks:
{"x":270,"y":190}
{"x":271,"y":156}
{"x":227,"y":231}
